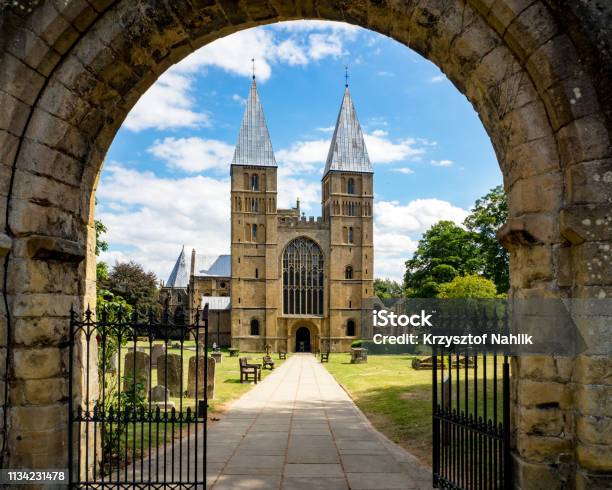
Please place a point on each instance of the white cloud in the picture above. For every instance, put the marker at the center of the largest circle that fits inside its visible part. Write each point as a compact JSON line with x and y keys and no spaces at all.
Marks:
{"x":239,"y":99}
{"x":383,"y":150}
{"x":193,"y":154}
{"x":441,"y":163}
{"x":167,"y":104}
{"x":437,"y":79}
{"x":160,"y":214}
{"x":301,"y":43}
{"x":328,"y":129}
{"x":403,"y":170}
{"x":303,"y":156}
{"x":397,"y":229}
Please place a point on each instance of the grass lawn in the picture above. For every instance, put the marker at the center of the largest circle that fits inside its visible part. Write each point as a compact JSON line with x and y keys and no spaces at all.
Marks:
{"x":227,"y":389}
{"x":397,"y":398}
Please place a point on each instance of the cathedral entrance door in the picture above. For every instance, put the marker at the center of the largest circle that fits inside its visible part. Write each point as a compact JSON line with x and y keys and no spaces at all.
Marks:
{"x":302,"y":340}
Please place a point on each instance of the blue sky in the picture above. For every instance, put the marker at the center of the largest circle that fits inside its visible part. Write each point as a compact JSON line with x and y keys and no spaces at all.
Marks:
{"x":165,"y":180}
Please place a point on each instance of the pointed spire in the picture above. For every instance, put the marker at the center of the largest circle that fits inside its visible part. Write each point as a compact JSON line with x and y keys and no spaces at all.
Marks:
{"x":179,"y":277}
{"x":254,"y":146}
{"x":348,"y":151}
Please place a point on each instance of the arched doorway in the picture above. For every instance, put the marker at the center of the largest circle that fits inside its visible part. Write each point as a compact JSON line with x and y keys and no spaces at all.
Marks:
{"x":534,"y":72}
{"x":302,"y":340}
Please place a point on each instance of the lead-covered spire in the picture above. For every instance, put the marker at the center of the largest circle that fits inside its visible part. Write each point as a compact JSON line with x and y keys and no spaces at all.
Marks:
{"x":254,"y":146}
{"x":348,"y":151}
{"x":179,"y":277}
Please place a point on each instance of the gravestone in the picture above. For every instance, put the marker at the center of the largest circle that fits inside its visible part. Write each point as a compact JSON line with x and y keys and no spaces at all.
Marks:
{"x":113,"y":365}
{"x":136,"y":370}
{"x":156,"y":351}
{"x":216,"y":356}
{"x":170,"y":373}
{"x":159,"y":393}
{"x":200,"y":377}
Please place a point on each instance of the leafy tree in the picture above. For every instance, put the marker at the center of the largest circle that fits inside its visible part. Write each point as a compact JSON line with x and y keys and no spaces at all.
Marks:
{"x":387,"y":288}
{"x":489,"y":214}
{"x":101,"y":246}
{"x":130,"y":281}
{"x":469,"y":286}
{"x":445,"y":251}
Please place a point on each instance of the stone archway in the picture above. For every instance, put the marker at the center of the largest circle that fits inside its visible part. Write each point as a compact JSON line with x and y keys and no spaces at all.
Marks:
{"x":536,"y":71}
{"x":303,"y":340}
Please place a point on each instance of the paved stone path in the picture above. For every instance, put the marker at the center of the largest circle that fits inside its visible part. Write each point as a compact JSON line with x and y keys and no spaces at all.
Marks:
{"x":298,"y":429}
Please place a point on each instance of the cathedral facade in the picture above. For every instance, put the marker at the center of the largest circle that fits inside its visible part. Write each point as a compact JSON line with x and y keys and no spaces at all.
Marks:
{"x":296,"y":283}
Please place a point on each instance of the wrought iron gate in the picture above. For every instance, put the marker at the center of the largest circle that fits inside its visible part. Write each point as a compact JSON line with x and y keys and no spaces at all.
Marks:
{"x":471,"y":410}
{"x":138,"y":394}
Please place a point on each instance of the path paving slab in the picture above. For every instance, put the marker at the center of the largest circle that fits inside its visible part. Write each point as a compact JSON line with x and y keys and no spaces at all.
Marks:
{"x":298,"y":430}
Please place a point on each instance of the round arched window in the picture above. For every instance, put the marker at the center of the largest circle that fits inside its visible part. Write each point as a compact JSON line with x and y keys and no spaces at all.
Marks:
{"x":254,"y":326}
{"x":350,"y":328}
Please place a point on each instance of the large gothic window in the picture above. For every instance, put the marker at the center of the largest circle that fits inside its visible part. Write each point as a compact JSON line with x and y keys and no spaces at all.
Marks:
{"x":303,"y":278}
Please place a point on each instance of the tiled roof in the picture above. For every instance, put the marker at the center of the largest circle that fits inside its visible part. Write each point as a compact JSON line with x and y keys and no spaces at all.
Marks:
{"x":348,"y":151}
{"x":254,"y":146}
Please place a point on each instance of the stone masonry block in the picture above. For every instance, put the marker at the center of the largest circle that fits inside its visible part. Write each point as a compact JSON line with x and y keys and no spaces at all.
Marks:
{"x":590,"y":182}
{"x":593,"y":265}
{"x":28,"y":217}
{"x":544,"y":394}
{"x":14,"y":114}
{"x":555,"y":60}
{"x":530,"y":29}
{"x":33,"y":51}
{"x":45,"y":391}
{"x":41,"y":276}
{"x":551,"y":422}
{"x":594,"y":430}
{"x":37,"y":363}
{"x":570,"y":99}
{"x":43,"y":160}
{"x":586,"y":223}
{"x":541,"y":449}
{"x":39,"y":418}
{"x":19,"y":80}
{"x":503,"y":12}
{"x":593,"y":370}
{"x":540,"y":193}
{"x":595,"y":458}
{"x":594,"y":400}
{"x":584,"y":139}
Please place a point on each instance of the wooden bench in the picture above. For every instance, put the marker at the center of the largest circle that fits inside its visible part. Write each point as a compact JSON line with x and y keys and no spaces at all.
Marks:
{"x":282,"y":355}
{"x":246,"y":370}
{"x":267,"y":362}
{"x":325,"y":356}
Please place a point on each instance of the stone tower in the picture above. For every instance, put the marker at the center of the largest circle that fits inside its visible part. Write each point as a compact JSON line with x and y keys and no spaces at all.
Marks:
{"x":347,"y":197}
{"x":253,"y":231}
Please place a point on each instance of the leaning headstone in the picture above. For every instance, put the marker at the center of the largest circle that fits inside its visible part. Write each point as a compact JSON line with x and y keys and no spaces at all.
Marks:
{"x":170,"y":372}
{"x":156,"y":351}
{"x":210,"y":382}
{"x":136,"y":370}
{"x":159,"y":393}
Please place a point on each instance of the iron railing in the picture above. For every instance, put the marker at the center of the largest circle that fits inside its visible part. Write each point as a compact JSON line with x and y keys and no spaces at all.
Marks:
{"x":471,"y":415}
{"x":124,"y":429}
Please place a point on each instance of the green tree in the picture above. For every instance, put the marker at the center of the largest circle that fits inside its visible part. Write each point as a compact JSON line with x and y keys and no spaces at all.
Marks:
{"x":101,"y":246}
{"x":387,"y":288}
{"x":469,"y":286}
{"x":489,"y":214}
{"x":131,"y":282}
{"x":445,"y":251}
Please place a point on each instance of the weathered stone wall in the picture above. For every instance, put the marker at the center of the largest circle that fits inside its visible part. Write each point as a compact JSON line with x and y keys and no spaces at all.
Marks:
{"x":537,"y":72}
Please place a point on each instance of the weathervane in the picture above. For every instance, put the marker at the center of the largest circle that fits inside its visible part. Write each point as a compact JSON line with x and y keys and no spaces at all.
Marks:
{"x":253,"y":64}
{"x":346,"y":75}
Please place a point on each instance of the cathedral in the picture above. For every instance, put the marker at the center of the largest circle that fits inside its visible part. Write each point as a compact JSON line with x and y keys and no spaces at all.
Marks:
{"x":296,"y":283}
